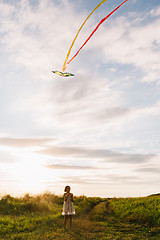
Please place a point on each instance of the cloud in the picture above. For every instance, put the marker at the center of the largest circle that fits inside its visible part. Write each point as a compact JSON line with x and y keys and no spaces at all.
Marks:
{"x":36,"y":37}
{"x":77,"y":180}
{"x":101,"y":179}
{"x":59,"y":166}
{"x":155,"y":12}
{"x":25,"y":142}
{"x":78,"y":102}
{"x":6,"y":158}
{"x":100,"y":154}
{"x":6,"y":10}
{"x":126,"y":41}
{"x":110,"y":113}
{"x":148,"y":170}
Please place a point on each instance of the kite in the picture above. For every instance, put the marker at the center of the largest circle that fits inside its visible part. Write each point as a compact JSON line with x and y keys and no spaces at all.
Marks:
{"x":66,"y":63}
{"x":63,"y":74}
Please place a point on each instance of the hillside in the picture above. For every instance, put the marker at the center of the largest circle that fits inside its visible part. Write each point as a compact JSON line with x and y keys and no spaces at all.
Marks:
{"x":155,"y":194}
{"x":39,"y":217}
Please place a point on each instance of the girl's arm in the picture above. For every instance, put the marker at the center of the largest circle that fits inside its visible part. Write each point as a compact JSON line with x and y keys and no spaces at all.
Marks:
{"x":72,"y":197}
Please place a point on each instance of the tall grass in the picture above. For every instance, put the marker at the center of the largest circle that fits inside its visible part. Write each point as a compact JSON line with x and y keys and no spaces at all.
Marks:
{"x":39,"y":217}
{"x":144,"y":210}
{"x":44,"y":203}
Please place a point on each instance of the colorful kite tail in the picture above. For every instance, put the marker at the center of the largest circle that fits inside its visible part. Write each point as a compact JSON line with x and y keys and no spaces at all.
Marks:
{"x":69,"y":51}
{"x":95,"y":31}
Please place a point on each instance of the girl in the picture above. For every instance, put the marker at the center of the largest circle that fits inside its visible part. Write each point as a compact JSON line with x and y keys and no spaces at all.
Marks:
{"x":68,"y":207}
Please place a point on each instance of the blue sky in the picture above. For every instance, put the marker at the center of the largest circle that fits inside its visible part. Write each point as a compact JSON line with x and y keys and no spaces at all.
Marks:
{"x":98,"y":131}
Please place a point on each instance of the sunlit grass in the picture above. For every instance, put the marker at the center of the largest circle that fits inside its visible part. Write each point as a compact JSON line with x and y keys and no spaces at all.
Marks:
{"x":39,"y":217}
{"x":141,"y":210}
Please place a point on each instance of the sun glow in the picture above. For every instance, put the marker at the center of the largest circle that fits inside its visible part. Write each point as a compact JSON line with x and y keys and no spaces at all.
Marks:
{"x":32,"y":176}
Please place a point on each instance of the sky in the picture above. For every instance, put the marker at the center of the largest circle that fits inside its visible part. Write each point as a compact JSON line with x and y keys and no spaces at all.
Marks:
{"x":99,"y":131}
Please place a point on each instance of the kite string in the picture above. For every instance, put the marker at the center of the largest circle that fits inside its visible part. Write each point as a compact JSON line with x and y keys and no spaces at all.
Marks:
{"x":64,"y":65}
{"x":95,"y":31}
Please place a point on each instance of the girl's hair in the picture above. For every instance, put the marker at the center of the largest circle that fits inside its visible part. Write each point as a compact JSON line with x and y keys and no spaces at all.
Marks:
{"x":65,"y":190}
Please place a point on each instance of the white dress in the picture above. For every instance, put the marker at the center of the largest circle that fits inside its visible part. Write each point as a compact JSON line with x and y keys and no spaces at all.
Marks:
{"x":68,"y":206}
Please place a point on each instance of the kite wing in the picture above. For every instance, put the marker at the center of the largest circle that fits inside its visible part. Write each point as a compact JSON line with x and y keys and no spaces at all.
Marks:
{"x":63,"y":74}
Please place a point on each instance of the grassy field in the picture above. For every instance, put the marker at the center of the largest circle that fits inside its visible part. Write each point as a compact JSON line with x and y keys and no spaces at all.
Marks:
{"x":39,"y":217}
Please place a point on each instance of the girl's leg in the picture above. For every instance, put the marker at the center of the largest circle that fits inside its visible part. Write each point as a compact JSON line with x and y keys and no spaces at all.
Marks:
{"x":70,"y":220}
{"x":65,"y":219}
